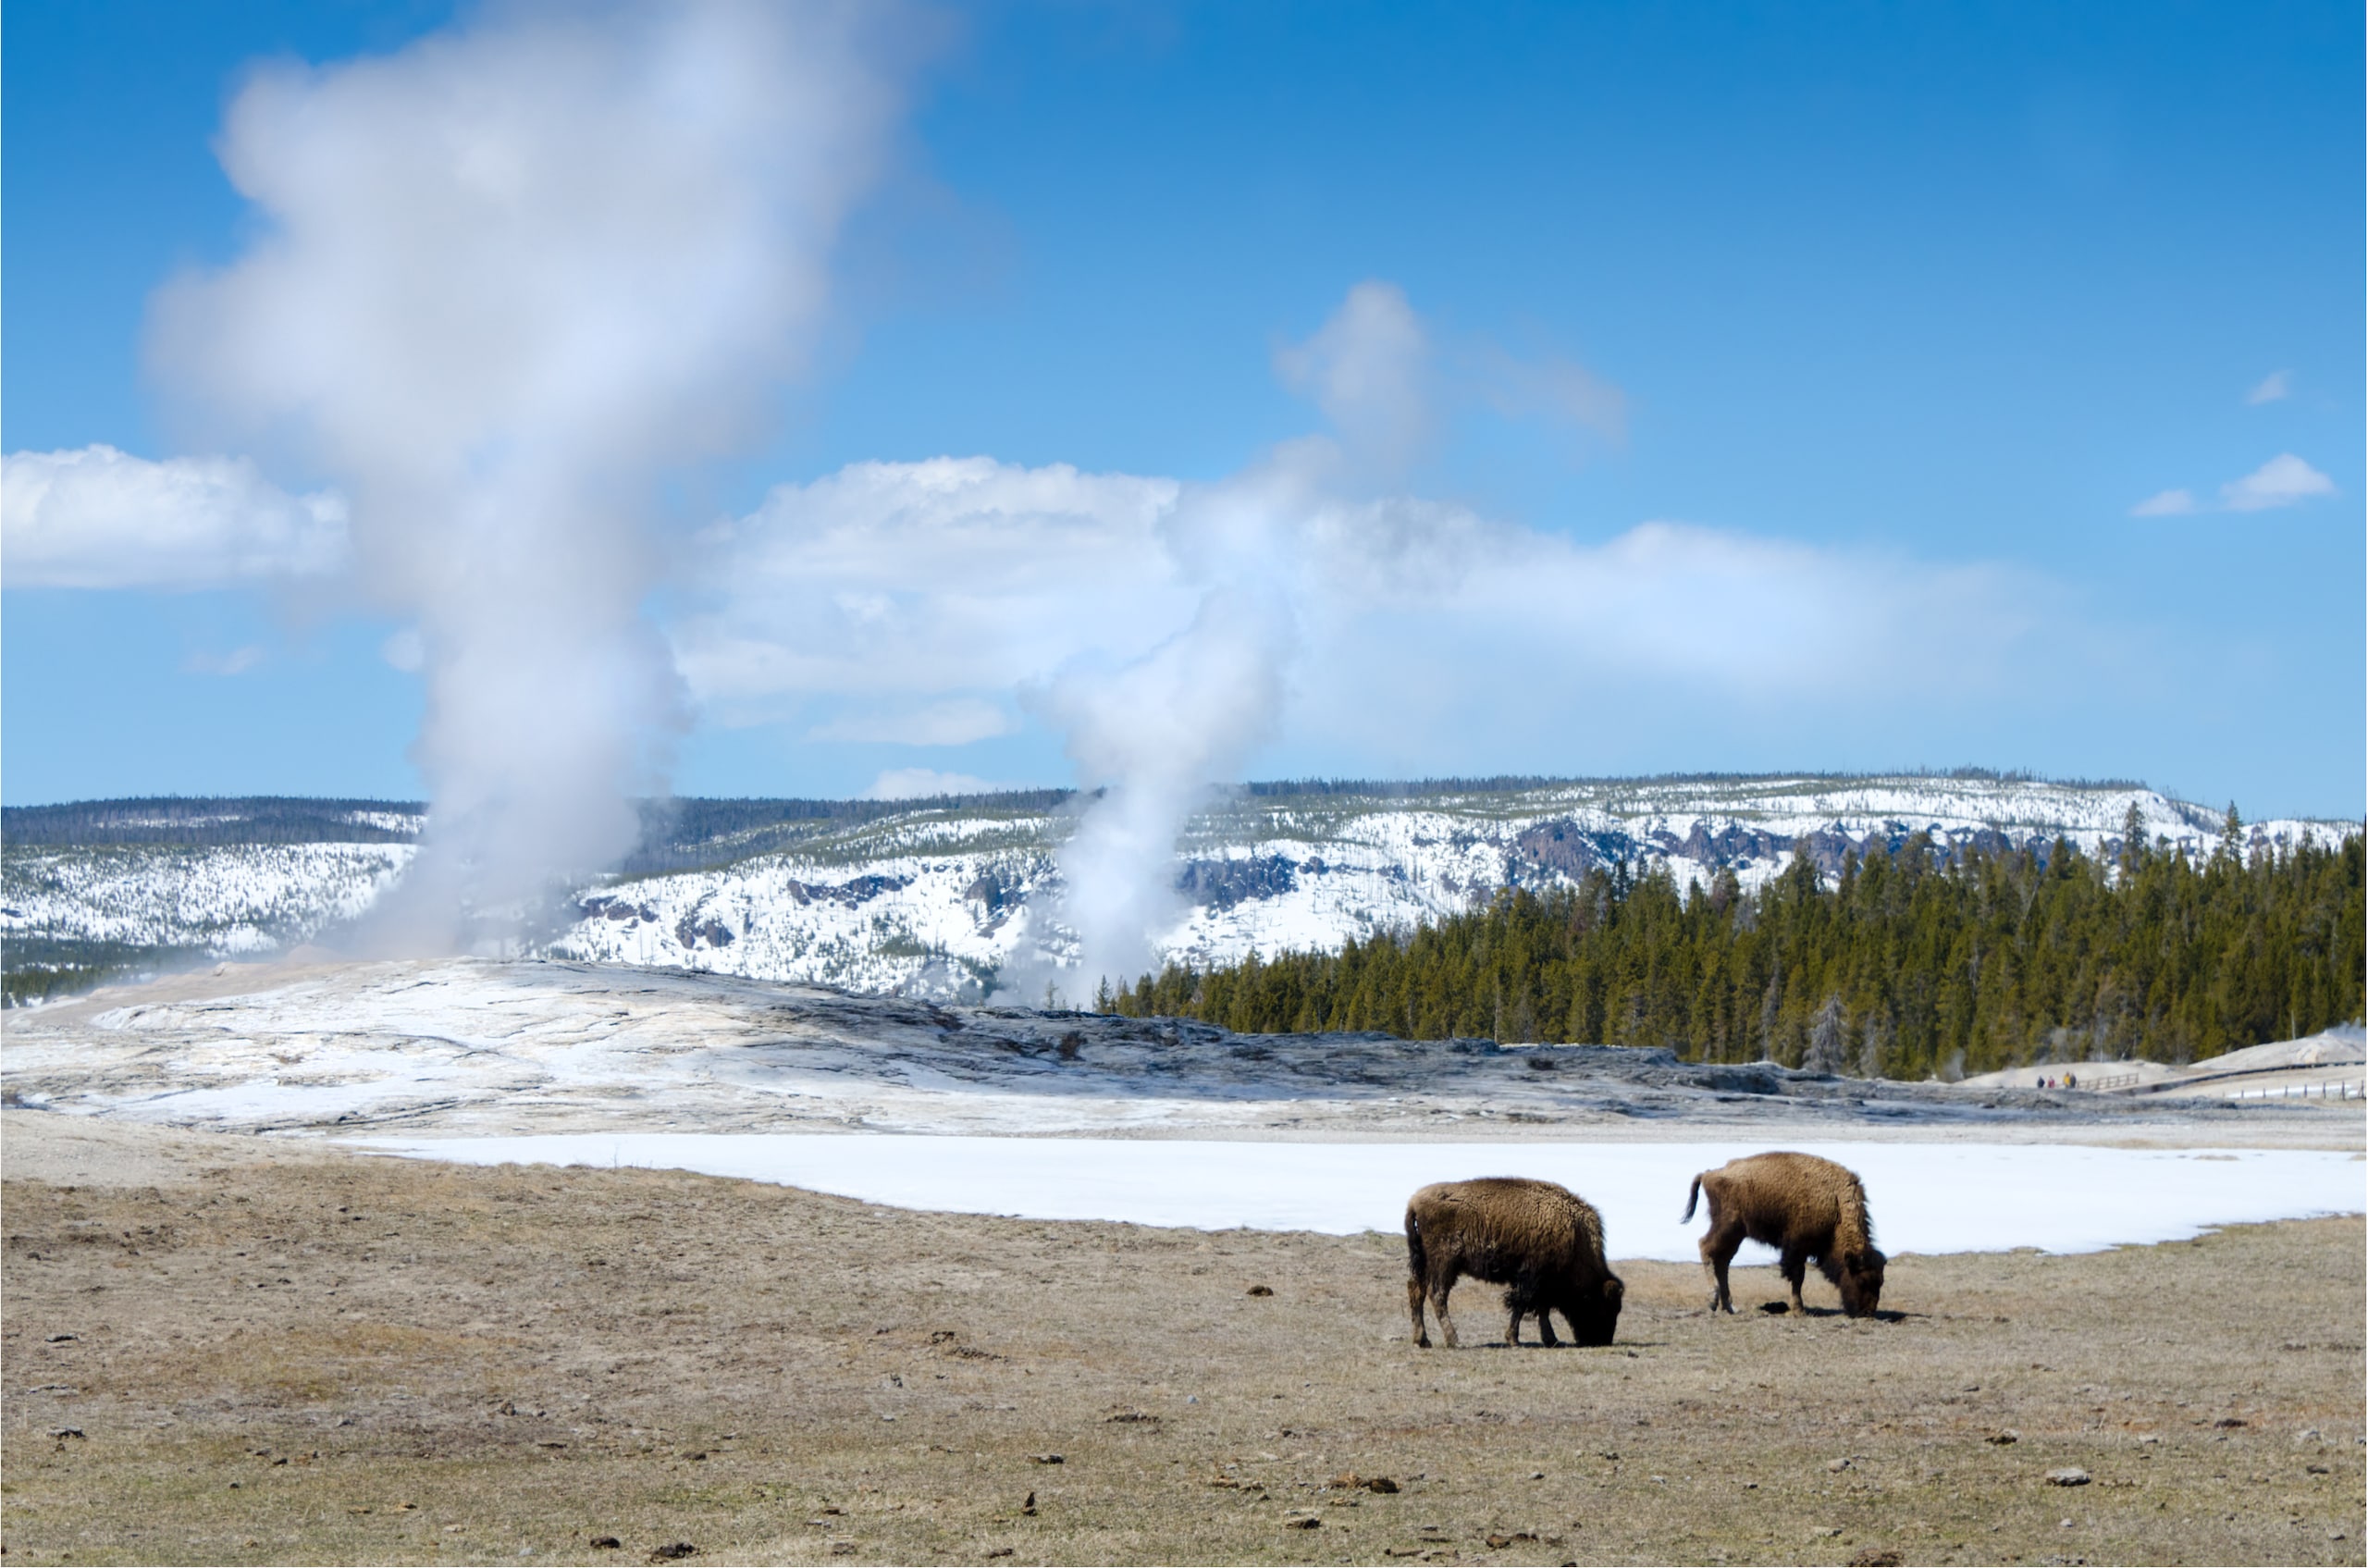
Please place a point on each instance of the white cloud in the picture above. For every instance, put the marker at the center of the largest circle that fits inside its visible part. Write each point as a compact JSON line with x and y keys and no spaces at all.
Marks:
{"x":922,"y":783}
{"x":2168,"y":503}
{"x":237,"y":662}
{"x":98,"y":518}
{"x":2282,"y":481}
{"x":899,"y":589}
{"x":956,"y":722}
{"x":938,"y":579}
{"x":1723,"y":613}
{"x":2273,"y":387}
{"x":1549,"y":647}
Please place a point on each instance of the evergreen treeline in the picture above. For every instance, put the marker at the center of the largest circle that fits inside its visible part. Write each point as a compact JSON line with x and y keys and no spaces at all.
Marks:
{"x":1905,"y":965}
{"x":208,"y":822}
{"x":678,"y":832}
{"x":40,"y":968}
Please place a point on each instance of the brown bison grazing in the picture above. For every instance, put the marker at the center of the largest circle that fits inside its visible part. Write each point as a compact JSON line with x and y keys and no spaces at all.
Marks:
{"x":1544,"y":1243}
{"x":1804,"y":1207}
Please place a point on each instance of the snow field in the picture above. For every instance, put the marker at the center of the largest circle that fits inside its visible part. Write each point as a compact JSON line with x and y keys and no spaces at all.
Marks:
{"x":1925,"y":1197}
{"x":814,"y":924}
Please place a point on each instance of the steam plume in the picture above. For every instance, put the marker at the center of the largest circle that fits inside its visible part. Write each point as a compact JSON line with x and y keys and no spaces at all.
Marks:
{"x":1273,"y":547}
{"x":1368,"y":368}
{"x":508,"y":278}
{"x":1158,"y":733}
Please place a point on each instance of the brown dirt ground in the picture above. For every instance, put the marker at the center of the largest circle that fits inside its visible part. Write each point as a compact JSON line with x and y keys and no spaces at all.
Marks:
{"x":212,"y":1355}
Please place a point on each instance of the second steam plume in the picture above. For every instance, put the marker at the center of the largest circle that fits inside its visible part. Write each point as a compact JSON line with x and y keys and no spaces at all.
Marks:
{"x":1314,"y":524}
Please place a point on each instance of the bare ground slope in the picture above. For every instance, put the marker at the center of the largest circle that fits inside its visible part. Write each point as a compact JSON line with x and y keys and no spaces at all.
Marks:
{"x":224,"y":1349}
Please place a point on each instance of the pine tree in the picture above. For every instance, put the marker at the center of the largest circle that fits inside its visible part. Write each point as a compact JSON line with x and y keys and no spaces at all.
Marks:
{"x":2133,"y":840}
{"x":1828,"y":1051}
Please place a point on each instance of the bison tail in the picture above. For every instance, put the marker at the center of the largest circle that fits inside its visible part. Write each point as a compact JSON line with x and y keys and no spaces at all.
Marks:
{"x":1693,"y":1194}
{"x":1416,"y":1263}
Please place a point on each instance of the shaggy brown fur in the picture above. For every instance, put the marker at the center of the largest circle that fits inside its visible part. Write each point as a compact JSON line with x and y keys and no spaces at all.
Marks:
{"x":1804,"y":1207}
{"x":1544,"y":1243}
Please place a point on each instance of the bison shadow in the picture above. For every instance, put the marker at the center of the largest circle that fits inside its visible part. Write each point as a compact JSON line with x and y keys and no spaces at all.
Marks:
{"x":1785,"y":1309}
{"x":1629,"y":1346}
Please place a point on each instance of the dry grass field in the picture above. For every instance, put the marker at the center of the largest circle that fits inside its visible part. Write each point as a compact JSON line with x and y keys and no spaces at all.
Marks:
{"x":213,"y":1355}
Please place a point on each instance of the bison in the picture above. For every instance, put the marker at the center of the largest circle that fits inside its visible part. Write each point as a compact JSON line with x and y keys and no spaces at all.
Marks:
{"x":1804,"y":1207}
{"x":1544,"y":1243}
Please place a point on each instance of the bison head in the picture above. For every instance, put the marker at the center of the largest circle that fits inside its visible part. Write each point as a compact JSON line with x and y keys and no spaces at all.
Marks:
{"x":1861,"y":1282}
{"x":1596,"y":1313}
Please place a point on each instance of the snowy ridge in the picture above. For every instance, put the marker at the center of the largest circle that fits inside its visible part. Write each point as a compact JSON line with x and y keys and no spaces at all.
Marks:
{"x":1270,"y":873}
{"x":946,"y":901}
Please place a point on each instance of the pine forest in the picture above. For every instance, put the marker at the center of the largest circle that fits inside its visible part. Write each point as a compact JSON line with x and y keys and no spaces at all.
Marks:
{"x":1909,"y":964}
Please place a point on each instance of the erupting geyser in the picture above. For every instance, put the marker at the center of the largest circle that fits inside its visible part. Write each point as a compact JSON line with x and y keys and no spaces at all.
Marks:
{"x":508,"y":278}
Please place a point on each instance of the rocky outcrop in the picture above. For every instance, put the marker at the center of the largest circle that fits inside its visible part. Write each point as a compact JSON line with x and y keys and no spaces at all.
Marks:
{"x":1221,"y":884}
{"x":861,"y":890}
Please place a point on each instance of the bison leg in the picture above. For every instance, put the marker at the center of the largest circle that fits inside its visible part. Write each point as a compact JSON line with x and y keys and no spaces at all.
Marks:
{"x":1794,"y":1268}
{"x":1718,"y":1251}
{"x":1414,"y":1305}
{"x":1545,"y":1326}
{"x":1513,"y":1311}
{"x":1441,"y":1283}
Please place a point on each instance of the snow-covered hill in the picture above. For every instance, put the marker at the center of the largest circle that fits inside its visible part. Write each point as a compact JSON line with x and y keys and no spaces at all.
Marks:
{"x":946,"y":901}
{"x":917,"y":904}
{"x":223,"y":899}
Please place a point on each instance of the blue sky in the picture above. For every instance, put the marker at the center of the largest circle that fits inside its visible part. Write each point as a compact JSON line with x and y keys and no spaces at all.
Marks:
{"x":1920,"y":302}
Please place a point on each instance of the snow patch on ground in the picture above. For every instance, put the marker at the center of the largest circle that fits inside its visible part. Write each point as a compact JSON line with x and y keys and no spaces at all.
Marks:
{"x":1926,"y":1198}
